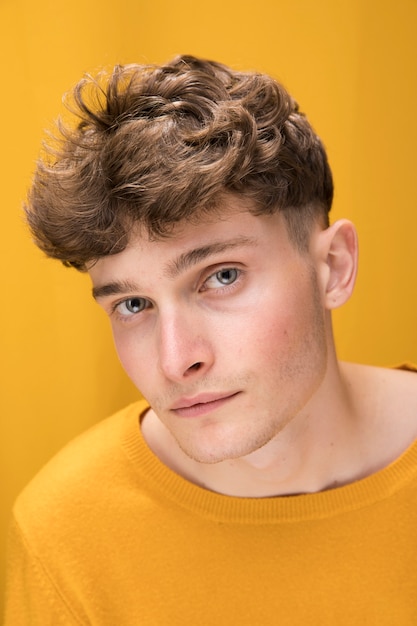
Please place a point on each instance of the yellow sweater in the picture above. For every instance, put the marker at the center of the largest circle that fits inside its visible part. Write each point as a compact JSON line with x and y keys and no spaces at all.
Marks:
{"x":107,"y":535}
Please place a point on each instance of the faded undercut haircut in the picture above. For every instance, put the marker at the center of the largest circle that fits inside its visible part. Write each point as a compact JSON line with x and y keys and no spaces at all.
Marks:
{"x":155,"y":145}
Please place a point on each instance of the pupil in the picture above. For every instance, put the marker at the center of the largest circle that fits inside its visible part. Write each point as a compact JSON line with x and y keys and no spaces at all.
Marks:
{"x":133,"y":305}
{"x":227,"y":276}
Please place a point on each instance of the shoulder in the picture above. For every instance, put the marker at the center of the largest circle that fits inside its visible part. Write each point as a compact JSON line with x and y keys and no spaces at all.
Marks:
{"x":385,"y":399}
{"x":80,"y":473}
{"x":399,"y":392}
{"x":396,"y":390}
{"x":397,"y":385}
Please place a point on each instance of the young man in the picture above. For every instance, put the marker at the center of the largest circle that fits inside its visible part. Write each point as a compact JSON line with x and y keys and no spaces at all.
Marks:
{"x":260,"y":481}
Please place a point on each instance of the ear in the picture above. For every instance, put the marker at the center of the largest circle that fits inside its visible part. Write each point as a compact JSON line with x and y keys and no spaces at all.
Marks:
{"x":337,"y":249}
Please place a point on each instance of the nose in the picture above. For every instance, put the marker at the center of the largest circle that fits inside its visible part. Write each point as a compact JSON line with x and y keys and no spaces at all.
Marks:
{"x":184,"y":348}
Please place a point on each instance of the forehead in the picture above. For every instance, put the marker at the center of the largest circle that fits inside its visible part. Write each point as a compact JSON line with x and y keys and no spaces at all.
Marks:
{"x":198,"y":231}
{"x":235,"y":236}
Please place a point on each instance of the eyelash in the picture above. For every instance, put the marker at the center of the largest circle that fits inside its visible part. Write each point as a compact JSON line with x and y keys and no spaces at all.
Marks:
{"x":116,"y":306}
{"x":224,"y":288}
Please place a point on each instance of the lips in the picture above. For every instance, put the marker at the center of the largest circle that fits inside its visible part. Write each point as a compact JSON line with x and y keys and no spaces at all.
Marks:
{"x":201,"y":403}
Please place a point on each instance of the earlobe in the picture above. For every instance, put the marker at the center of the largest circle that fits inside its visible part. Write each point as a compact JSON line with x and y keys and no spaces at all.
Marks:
{"x":339,"y":262}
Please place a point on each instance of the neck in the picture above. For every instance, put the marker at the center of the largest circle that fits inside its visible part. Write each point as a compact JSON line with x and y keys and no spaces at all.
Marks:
{"x":314,"y":452}
{"x":319,"y":449}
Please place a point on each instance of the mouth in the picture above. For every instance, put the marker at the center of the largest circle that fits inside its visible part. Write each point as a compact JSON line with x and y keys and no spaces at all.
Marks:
{"x":202,"y":404}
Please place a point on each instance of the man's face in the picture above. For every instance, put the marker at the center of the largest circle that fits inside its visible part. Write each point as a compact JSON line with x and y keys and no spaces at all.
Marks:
{"x":221,"y":328}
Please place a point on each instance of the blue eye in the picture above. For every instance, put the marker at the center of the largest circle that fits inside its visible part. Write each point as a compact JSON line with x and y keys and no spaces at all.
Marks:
{"x":131,"y":306}
{"x":222,"y":278}
{"x":227,"y":276}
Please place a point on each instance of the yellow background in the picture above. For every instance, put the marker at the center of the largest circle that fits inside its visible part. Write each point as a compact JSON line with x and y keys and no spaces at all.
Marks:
{"x":352,"y":66}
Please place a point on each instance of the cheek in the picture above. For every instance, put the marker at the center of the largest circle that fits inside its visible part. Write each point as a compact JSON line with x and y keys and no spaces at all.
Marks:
{"x":134,"y":359}
{"x":272,"y":338}
{"x":288,"y":328}
{"x":254,"y":341}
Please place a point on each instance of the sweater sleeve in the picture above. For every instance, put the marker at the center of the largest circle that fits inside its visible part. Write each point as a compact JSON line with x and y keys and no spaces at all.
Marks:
{"x":32,"y":599}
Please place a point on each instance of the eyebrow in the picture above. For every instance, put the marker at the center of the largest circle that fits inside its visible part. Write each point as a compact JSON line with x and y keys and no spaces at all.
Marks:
{"x":113,"y":289}
{"x":177,"y":266}
{"x":187,"y":259}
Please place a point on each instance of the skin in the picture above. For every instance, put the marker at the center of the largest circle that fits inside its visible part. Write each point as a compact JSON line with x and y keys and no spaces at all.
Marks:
{"x":225,"y":328}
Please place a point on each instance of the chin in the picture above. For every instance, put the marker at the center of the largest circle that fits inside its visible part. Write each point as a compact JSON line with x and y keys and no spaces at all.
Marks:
{"x":217,"y":449}
{"x":211,"y":457}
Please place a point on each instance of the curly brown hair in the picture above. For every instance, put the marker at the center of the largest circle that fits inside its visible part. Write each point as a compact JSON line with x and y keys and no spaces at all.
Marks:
{"x":161,"y":144}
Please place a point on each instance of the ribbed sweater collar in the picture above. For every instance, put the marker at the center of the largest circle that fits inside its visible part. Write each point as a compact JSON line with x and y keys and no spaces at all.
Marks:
{"x":281,"y":509}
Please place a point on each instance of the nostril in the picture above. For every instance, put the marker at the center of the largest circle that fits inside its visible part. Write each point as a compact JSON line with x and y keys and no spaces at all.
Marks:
{"x":195,"y":367}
